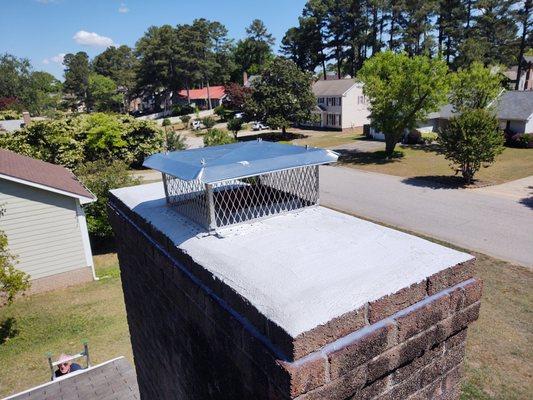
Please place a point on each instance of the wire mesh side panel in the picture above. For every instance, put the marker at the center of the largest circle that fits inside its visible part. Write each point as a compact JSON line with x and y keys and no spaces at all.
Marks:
{"x":246,"y":199}
{"x":188,"y":198}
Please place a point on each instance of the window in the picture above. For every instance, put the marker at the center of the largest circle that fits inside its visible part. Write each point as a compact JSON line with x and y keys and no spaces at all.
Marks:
{"x":320,"y":100}
{"x":333,"y":120}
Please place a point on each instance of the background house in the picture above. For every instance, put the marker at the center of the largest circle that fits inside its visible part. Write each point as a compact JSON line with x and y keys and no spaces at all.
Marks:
{"x":341,"y":105}
{"x":44,"y":221}
{"x":200,"y":98}
{"x":513,"y":108}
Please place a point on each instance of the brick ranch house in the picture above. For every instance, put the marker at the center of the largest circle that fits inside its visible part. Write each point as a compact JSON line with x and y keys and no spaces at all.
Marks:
{"x":341,"y":105}
{"x":44,"y":221}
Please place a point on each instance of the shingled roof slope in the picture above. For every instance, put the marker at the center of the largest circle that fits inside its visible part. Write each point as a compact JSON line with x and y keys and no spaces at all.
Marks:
{"x":40,"y":172}
{"x":334,"y":87}
{"x":114,"y":379}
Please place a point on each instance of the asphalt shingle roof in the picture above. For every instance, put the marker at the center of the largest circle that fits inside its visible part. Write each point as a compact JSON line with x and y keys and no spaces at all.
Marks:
{"x":335,"y":87}
{"x":41,"y":172}
{"x":513,"y":105}
{"x":114,"y":380}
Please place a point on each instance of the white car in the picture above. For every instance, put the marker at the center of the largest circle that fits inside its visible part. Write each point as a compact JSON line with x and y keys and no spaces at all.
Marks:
{"x":258,"y":126}
{"x":239,"y":115}
{"x":196,"y":125}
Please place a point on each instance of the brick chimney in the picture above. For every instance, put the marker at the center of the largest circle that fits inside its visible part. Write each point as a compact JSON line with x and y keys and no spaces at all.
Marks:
{"x":304,"y":304}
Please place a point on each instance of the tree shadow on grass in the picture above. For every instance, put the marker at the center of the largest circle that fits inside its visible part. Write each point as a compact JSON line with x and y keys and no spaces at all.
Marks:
{"x":356,"y":157}
{"x":8,"y":329}
{"x":528,"y":201}
{"x":273,"y":137}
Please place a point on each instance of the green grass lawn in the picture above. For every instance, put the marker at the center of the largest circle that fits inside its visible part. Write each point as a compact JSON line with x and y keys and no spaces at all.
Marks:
{"x":499,"y":350}
{"x":412,"y":161}
{"x":58,"y":321}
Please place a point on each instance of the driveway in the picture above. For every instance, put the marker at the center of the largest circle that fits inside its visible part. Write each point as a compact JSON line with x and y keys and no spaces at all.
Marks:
{"x":496,"y":220}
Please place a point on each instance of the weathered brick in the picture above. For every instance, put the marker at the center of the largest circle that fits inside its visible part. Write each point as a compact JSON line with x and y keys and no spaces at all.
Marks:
{"x":388,"y":305}
{"x":450,"y":276}
{"x":305,"y":375}
{"x":314,"y":339}
{"x":340,"y":388}
{"x":365,"y":346}
{"x":451,"y":383}
{"x":421,"y":318}
{"x":456,"y":339}
{"x":473,"y":292}
{"x":457,"y":321}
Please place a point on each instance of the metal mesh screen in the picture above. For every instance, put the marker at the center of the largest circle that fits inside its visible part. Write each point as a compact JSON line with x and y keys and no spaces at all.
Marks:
{"x":234,"y":201}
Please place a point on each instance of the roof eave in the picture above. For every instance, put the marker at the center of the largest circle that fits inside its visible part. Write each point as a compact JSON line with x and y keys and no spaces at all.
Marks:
{"x":81,"y":198}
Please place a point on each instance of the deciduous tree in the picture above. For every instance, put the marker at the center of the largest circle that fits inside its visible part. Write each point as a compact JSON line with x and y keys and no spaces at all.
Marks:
{"x":282,"y":96}
{"x":402,"y":90}
{"x":470,"y":141}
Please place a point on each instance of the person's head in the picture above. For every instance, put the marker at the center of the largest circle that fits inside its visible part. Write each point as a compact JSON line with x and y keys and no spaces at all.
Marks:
{"x":64,"y":363}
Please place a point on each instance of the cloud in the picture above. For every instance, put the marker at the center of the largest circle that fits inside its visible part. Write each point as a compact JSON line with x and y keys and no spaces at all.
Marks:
{"x":123,"y":9}
{"x":58,"y":59}
{"x":92,"y":39}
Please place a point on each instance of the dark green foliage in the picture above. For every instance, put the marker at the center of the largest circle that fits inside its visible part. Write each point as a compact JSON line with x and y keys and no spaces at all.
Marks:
{"x":282,"y":96}
{"x":24,"y":89}
{"x":72,"y":140}
{"x":77,"y":72}
{"x":180,"y":109}
{"x":99,"y":177}
{"x":235,"y":125}
{"x":185,"y":119}
{"x":166,"y":122}
{"x":216,"y":137}
{"x":12,"y":281}
{"x":117,"y":63}
{"x":470,"y":141}
{"x":174,"y":141}
{"x":208,"y":122}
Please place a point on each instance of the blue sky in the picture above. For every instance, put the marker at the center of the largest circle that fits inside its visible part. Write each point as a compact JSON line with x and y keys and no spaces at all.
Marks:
{"x":43,"y":30}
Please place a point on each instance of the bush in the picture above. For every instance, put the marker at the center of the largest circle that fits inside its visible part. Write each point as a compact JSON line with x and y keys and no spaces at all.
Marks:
{"x":470,"y":141}
{"x":12,"y":281}
{"x":166,"y":122}
{"x":175,"y":141}
{"x":216,"y":137}
{"x":235,"y":125}
{"x":100,"y":177}
{"x":185,"y":119}
{"x":429,"y":137}
{"x":182,"y":109}
{"x":72,"y":140}
{"x":522,"y":140}
{"x":208,"y":122}
{"x":10,"y":114}
{"x":413,"y":137}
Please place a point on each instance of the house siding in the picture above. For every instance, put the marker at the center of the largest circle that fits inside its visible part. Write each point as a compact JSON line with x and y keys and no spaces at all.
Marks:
{"x":43,"y":230}
{"x":355,"y":111}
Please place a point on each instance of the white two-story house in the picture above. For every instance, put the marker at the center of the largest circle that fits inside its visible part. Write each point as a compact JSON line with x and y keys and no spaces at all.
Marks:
{"x":341,"y":105}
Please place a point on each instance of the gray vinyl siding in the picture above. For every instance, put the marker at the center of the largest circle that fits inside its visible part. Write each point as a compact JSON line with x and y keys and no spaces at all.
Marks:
{"x":42,"y":229}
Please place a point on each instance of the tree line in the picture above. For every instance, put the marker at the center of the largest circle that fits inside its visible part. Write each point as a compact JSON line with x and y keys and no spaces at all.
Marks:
{"x":339,"y":35}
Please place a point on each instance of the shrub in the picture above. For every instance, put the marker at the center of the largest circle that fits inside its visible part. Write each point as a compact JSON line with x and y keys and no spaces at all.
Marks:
{"x":12,"y":280}
{"x":523,"y":140}
{"x":10,"y":114}
{"x":235,"y":125}
{"x":72,"y":140}
{"x":182,"y":109}
{"x":413,"y":137}
{"x":175,"y":141}
{"x":208,"y":122}
{"x":216,"y":137}
{"x":166,"y":122}
{"x":100,"y":177}
{"x":185,"y":119}
{"x":470,"y":141}
{"x":429,"y":137}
